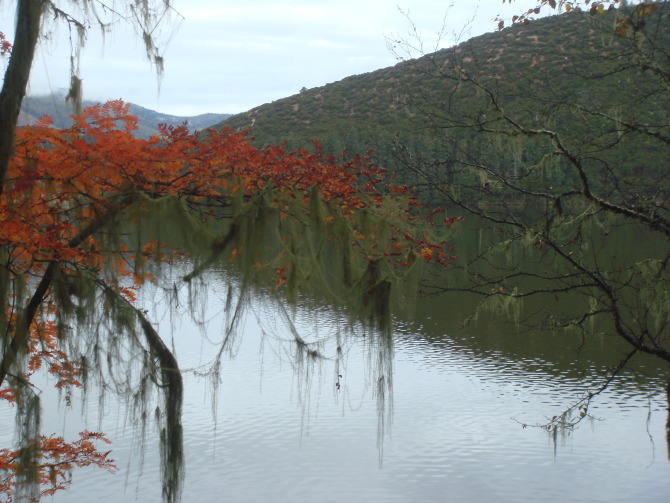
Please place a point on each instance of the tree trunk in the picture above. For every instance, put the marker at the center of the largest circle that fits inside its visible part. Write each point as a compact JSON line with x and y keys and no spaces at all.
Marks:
{"x":28,"y":20}
{"x":20,"y":340}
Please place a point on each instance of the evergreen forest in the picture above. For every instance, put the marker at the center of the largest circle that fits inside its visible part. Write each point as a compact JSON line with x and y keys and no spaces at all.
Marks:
{"x":571,"y":73}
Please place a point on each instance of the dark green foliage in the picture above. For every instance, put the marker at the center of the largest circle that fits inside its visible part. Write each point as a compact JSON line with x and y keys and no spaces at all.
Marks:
{"x":549,"y":158}
{"x":541,"y":73}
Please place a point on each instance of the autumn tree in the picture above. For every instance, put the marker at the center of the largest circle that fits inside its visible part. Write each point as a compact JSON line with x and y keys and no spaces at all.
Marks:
{"x":146,"y":16}
{"x":31,"y":17}
{"x":83,"y":227}
{"x":551,"y":163}
{"x":83,"y":215}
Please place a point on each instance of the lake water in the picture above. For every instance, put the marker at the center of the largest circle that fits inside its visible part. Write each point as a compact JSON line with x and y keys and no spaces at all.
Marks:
{"x":448,"y":429}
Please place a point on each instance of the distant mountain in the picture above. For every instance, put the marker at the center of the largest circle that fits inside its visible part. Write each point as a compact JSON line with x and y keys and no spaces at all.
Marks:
{"x":34,"y":107}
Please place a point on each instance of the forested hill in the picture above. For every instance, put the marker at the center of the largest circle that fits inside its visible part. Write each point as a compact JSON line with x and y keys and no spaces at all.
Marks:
{"x":561,"y":55}
{"x":34,"y":107}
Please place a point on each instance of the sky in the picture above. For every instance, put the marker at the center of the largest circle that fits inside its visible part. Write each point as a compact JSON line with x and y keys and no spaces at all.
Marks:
{"x":228,"y":56}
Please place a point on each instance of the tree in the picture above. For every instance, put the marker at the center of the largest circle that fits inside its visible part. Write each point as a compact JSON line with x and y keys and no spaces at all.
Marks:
{"x":30,"y":16}
{"x":83,"y":214}
{"x":549,"y":161}
{"x":538,"y":6}
{"x":146,"y":16}
{"x":83,"y":227}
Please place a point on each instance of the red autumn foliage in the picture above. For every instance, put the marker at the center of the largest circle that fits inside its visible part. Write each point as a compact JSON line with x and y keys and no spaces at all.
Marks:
{"x":5,"y":46}
{"x":63,"y":186}
{"x":57,"y":459}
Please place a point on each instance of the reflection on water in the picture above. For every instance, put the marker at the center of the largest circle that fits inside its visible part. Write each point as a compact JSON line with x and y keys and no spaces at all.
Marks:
{"x":281,"y":430}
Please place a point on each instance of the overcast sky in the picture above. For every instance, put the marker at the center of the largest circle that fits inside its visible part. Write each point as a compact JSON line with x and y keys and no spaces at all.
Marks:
{"x":228,"y":56}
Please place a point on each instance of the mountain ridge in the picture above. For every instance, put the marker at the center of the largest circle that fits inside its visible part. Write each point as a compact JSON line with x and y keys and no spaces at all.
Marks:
{"x":372,"y":111}
{"x":55,"y":106}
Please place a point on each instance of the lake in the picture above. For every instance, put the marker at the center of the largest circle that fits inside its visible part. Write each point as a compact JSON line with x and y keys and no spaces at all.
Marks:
{"x":281,"y":425}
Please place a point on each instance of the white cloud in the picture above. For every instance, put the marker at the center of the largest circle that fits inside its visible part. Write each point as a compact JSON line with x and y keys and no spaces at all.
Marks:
{"x":229,"y":56}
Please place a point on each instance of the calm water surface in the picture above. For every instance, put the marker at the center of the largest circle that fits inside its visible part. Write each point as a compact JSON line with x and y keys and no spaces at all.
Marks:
{"x":280,"y":430}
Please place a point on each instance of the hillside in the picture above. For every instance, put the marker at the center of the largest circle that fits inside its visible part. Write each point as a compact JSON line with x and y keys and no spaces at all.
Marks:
{"x":534,"y":70}
{"x":33,"y":107}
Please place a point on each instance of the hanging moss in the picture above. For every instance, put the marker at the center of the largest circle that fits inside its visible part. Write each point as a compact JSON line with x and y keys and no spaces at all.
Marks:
{"x":28,"y":419}
{"x":293,"y":246}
